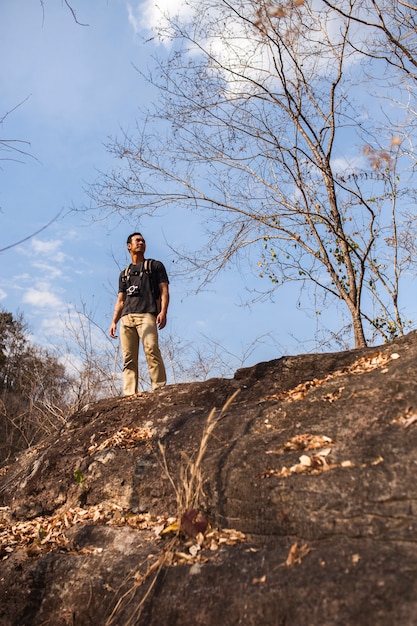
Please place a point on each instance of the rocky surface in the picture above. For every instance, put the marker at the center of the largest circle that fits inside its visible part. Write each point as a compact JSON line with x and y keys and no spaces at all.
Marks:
{"x":303,"y":487}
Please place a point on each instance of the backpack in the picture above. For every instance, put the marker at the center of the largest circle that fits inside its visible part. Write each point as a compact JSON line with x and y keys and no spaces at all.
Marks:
{"x":147,"y":268}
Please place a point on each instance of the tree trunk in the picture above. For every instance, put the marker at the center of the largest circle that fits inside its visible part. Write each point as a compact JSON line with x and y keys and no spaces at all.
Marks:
{"x":358,"y":333}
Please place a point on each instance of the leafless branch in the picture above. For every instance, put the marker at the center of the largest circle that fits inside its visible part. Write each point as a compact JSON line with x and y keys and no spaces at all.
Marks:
{"x":17,"y":243}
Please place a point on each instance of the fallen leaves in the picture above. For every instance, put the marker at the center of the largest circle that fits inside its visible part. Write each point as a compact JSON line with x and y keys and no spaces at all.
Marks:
{"x":44,"y":534}
{"x":361,"y":366}
{"x":201,"y":539}
{"x":370,"y":363}
{"x":124,"y":438}
{"x":406,"y":420}
{"x":305,"y":441}
{"x":203,"y":546}
{"x":314,"y":464}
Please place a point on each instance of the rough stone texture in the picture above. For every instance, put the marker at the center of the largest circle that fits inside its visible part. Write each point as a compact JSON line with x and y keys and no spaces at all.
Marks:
{"x":329,"y":539}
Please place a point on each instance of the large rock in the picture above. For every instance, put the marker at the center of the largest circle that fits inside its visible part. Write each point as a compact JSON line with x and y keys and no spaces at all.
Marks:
{"x":307,"y":481}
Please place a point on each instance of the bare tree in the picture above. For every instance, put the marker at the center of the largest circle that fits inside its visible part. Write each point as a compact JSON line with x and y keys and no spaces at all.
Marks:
{"x":13,"y":149}
{"x":261,"y":125}
{"x":69,"y":6}
{"x":88,"y":355}
{"x":33,"y":389}
{"x":190,"y":361}
{"x":94,"y":366}
{"x":389,"y":31}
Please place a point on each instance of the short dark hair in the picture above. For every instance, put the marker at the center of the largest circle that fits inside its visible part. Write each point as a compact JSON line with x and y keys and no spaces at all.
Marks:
{"x":129,"y":239}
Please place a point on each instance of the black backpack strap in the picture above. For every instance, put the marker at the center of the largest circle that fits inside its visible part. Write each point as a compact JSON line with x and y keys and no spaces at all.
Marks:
{"x":147,"y":267}
{"x":126,"y":273}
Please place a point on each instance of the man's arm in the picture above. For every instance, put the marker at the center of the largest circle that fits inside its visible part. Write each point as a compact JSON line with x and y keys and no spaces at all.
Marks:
{"x":161,"y":320}
{"x":118,"y":308}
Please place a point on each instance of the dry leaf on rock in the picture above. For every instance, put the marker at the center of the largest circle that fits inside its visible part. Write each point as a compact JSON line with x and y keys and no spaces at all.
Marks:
{"x":334,"y":395}
{"x":378,"y":460}
{"x":406,"y":420}
{"x":194,"y":549}
{"x":303,"y":441}
{"x":43,"y":534}
{"x":296,"y":554}
{"x":193,"y":522}
{"x":259,"y":581}
{"x":124,"y":438}
{"x":314,"y":464}
{"x":361,"y":366}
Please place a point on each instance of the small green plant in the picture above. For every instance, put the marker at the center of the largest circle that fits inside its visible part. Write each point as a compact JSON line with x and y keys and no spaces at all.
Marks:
{"x":79,"y":477}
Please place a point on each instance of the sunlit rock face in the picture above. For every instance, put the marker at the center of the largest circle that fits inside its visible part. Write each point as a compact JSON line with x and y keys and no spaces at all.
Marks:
{"x":286,"y":495}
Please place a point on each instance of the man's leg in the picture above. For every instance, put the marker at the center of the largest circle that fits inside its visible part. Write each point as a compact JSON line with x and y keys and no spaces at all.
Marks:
{"x":149,"y":335}
{"x":129,"y":342}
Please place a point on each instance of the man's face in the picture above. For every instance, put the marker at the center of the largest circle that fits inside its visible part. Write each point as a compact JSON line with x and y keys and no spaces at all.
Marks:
{"x":137,"y":244}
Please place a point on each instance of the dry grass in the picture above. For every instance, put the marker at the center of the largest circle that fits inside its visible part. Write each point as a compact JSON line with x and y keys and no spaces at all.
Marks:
{"x":138,"y":580}
{"x":188,"y":492}
{"x":189,"y":489}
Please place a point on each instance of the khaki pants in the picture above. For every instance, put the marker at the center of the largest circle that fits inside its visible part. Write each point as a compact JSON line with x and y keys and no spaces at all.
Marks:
{"x":134,"y":328}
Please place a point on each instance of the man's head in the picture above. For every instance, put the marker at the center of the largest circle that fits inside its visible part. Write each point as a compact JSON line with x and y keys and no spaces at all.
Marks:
{"x":134,"y":235}
{"x":136,"y":244}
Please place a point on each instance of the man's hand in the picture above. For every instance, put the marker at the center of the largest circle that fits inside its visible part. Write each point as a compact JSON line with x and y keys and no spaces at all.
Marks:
{"x":117,"y":314}
{"x":161,"y":321}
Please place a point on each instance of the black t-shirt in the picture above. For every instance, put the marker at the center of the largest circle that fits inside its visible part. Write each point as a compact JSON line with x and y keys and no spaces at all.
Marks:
{"x":137,"y":285}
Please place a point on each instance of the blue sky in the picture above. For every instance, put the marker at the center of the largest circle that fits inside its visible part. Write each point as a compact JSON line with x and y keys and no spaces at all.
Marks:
{"x":78,"y":86}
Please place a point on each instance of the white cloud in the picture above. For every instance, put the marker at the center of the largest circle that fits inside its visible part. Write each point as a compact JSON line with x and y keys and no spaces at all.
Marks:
{"x":348,"y":164}
{"x":52,"y":270}
{"x":3,"y":294}
{"x":150,"y":16}
{"x":48,"y":248}
{"x":41,"y":298}
{"x":46,"y":257}
{"x":53,"y":326}
{"x":234,"y":42}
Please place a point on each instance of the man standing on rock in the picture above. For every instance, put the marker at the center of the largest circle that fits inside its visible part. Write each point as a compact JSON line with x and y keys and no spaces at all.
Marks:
{"x":141,"y":307}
